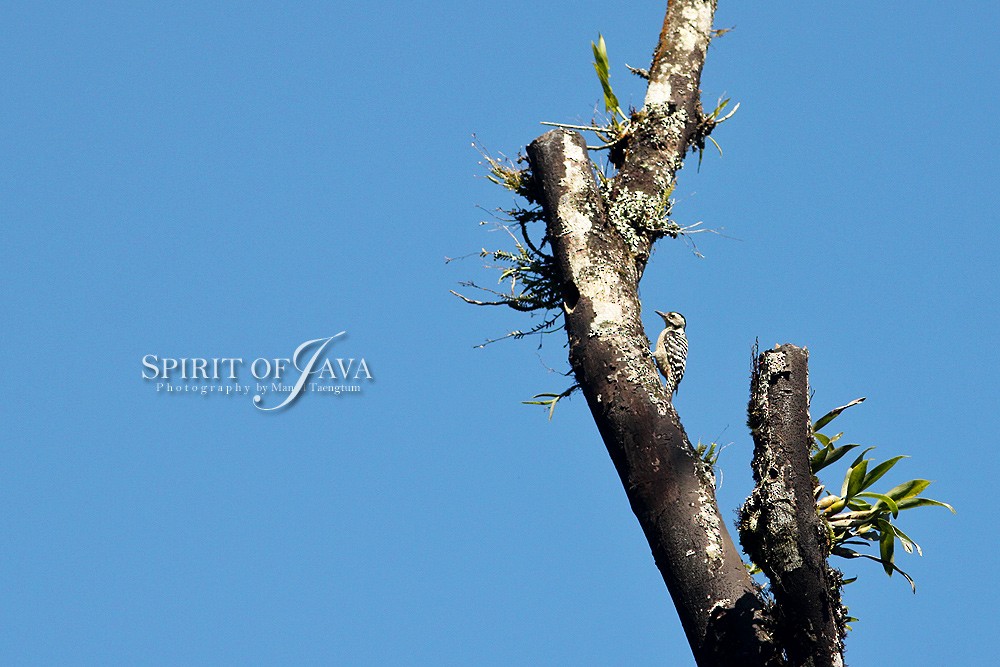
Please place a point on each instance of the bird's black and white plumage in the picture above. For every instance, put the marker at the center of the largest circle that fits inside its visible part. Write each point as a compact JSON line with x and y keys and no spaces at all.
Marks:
{"x":671,"y":350}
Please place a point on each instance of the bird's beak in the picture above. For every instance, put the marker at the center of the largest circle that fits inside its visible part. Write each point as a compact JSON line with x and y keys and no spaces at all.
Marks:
{"x":659,"y":313}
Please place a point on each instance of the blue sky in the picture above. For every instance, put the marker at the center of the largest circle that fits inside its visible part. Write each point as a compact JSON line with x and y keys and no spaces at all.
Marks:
{"x":233,"y":179}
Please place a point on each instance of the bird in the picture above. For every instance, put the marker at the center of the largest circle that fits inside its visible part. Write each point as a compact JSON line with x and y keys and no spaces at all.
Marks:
{"x":671,"y":350}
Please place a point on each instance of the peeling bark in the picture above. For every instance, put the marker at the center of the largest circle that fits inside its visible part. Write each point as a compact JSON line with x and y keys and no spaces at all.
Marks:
{"x":779,"y":526}
{"x":670,"y":489}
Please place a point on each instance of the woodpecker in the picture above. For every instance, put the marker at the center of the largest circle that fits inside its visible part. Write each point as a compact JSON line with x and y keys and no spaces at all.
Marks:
{"x":671,"y":350}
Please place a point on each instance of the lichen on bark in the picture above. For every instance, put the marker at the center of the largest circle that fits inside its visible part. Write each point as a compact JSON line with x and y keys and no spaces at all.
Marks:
{"x":779,"y":527}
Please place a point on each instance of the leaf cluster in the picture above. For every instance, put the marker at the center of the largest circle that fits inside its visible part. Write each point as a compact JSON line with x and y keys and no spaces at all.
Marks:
{"x":619,"y":126}
{"x":527,"y":271}
{"x":708,"y":452}
{"x":708,"y":124}
{"x":530,"y":284}
{"x":859,"y":516}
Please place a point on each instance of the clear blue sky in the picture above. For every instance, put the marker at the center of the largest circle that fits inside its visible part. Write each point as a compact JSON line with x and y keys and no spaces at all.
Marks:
{"x":232,"y":179}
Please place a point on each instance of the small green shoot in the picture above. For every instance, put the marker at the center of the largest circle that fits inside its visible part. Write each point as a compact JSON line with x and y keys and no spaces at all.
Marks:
{"x":603,"y":69}
{"x":551,"y":400}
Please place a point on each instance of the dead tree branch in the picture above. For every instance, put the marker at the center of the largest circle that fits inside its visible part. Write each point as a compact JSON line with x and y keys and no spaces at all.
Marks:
{"x":779,"y":526}
{"x":669,"y":121}
{"x":600,"y":235}
{"x":670,"y":489}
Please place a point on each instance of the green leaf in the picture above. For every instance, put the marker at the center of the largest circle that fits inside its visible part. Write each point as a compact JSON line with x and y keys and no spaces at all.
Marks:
{"x":854,"y":479}
{"x":719,"y":107}
{"x":908,"y":489}
{"x":858,"y":505}
{"x":822,"y":439}
{"x":709,"y":453}
{"x":717,"y":146}
{"x":908,"y":544}
{"x":886,"y":545}
{"x":603,"y":69}
{"x":883,"y":499}
{"x":601,"y":57}
{"x":913,"y":585}
{"x":818,"y":460}
{"x":833,"y":414}
{"x":861,"y":456}
{"x":551,"y":402}
{"x":881,"y":469}
{"x":834,"y":455}
{"x":844,"y":552}
{"x":909,"y":503}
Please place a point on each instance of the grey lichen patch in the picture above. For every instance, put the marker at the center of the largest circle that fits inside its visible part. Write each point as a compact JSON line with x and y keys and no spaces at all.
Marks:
{"x":578,"y":203}
{"x":706,"y":472}
{"x":608,"y":316}
{"x":665,"y":119}
{"x":656,"y":398}
{"x":659,"y":89}
{"x":633,"y":212}
{"x":600,"y":283}
{"x":634,"y":366}
{"x":654,"y":390}
{"x":769,"y":366}
{"x":767,"y":524}
{"x":690,"y":36}
{"x":708,"y":518}
{"x":575,"y":216}
{"x":602,"y":280}
{"x":781,"y":539}
{"x":773,"y":363}
{"x":660,"y":128}
{"x":639,"y":207}
{"x":577,"y":165}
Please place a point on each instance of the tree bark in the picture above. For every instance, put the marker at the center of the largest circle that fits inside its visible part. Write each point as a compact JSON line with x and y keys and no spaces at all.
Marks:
{"x":670,"y":119}
{"x":670,"y":489}
{"x":600,"y":244}
{"x":600,"y":237}
{"x":779,"y":526}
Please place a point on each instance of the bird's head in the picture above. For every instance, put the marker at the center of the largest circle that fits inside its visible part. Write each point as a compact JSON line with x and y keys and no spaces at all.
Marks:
{"x":673,"y":320}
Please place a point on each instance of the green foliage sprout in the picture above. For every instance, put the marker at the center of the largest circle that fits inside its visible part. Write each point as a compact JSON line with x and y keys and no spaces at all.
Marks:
{"x":550,"y":400}
{"x":526,"y":270}
{"x":603,"y":68}
{"x":614,"y":133}
{"x":858,"y":516}
{"x":708,"y":452}
{"x":709,"y":123}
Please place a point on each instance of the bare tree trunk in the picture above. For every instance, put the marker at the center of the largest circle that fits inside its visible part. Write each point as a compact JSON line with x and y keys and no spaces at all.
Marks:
{"x":670,"y":489}
{"x":600,"y":244}
{"x":600,"y":238}
{"x":779,"y":526}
